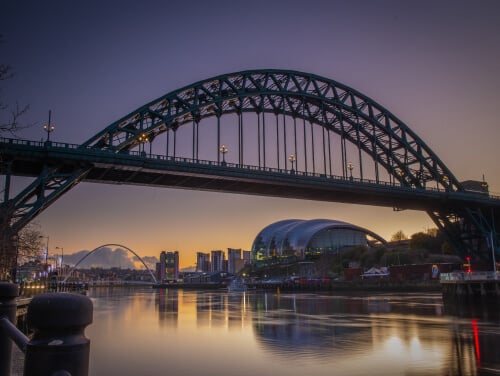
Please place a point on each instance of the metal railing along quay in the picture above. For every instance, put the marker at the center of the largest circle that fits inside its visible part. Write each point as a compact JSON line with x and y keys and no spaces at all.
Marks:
{"x":469,"y":276}
{"x":462,"y":284}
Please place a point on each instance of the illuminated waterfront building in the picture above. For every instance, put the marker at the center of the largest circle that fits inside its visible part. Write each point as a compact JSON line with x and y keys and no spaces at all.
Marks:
{"x":169,"y":266}
{"x":298,"y":240}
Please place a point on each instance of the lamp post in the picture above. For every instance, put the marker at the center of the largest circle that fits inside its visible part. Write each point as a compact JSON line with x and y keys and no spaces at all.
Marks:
{"x":46,"y":253}
{"x":49,"y":128}
{"x":484,"y":185}
{"x":350,"y":167}
{"x":292,"y":158}
{"x":223,"y":149}
{"x":399,"y":175}
{"x":445,"y":182}
{"x":143,"y":138}
{"x":62,"y":258}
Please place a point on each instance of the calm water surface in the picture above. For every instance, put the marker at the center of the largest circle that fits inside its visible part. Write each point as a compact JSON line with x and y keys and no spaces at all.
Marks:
{"x":142,"y":331}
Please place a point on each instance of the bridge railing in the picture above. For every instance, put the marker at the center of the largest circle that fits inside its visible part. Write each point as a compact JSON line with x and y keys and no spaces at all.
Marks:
{"x":40,"y":144}
{"x":338,"y":178}
{"x":469,"y":276}
{"x":202,"y":162}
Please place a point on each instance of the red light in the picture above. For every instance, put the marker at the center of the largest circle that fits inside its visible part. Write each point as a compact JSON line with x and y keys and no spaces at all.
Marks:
{"x":476,"y":341}
{"x":468,"y":264}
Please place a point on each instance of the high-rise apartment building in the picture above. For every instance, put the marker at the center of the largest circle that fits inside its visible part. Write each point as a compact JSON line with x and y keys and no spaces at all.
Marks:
{"x":217,"y":261}
{"x":169,"y":266}
{"x":202,"y":262}
{"x":234,"y":261}
{"x":247,"y":257}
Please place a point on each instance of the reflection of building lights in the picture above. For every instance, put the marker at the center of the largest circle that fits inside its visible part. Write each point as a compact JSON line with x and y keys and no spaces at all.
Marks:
{"x":416,"y":348}
{"x":401,"y":351}
{"x":476,"y":342}
{"x":394,"y":345}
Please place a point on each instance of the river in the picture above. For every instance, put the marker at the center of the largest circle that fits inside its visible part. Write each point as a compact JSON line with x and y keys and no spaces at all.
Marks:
{"x":142,"y":331}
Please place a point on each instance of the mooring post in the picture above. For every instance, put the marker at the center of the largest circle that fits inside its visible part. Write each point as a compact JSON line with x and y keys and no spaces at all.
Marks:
{"x":59,"y":345}
{"x":8,"y":295}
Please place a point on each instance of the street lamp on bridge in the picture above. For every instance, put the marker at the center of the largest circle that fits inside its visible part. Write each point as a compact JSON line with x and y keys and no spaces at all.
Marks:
{"x":49,"y":128}
{"x":223,"y":149}
{"x":143,"y":138}
{"x":292,"y":160}
{"x":350,"y":167}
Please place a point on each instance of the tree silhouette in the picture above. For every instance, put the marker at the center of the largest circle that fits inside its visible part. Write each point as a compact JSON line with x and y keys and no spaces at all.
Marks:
{"x":398,"y":236}
{"x":10,"y":114}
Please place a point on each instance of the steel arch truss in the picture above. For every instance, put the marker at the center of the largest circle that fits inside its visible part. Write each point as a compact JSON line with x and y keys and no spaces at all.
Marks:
{"x":336,"y":107}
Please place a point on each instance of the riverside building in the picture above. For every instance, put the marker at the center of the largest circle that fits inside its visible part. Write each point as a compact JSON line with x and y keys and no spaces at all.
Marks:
{"x":217,"y":261}
{"x":294,"y":240}
{"x":202,"y":262}
{"x":169,"y":266}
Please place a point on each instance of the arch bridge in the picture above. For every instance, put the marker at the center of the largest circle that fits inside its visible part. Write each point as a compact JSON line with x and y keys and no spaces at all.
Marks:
{"x":153,"y":278}
{"x":264,"y":132}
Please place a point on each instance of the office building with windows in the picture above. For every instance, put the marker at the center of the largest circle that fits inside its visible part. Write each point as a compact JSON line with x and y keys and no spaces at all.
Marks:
{"x":169,"y":266}
{"x":202,"y":262}
{"x":217,"y":261}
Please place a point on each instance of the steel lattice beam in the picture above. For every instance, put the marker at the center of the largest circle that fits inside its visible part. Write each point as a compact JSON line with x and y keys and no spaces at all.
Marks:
{"x":319,"y":100}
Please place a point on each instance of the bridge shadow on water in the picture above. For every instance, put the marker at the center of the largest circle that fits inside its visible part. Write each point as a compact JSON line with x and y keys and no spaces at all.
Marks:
{"x":481,"y":309}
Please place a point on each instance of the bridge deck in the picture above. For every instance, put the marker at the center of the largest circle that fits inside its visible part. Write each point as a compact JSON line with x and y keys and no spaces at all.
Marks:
{"x":29,"y":158}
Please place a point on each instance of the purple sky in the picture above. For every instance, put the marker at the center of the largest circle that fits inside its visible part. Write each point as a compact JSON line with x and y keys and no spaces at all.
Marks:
{"x":433,"y":64}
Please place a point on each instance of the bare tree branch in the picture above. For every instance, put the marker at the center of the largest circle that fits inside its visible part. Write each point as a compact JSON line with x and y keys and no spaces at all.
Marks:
{"x":12,"y":123}
{"x":5,"y":72}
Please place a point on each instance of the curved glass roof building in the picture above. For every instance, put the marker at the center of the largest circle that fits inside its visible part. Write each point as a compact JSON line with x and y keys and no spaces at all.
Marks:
{"x":296,"y":239}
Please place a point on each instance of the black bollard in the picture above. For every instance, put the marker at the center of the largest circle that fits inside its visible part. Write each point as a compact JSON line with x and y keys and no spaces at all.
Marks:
{"x":8,"y":294}
{"x":59,"y":345}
